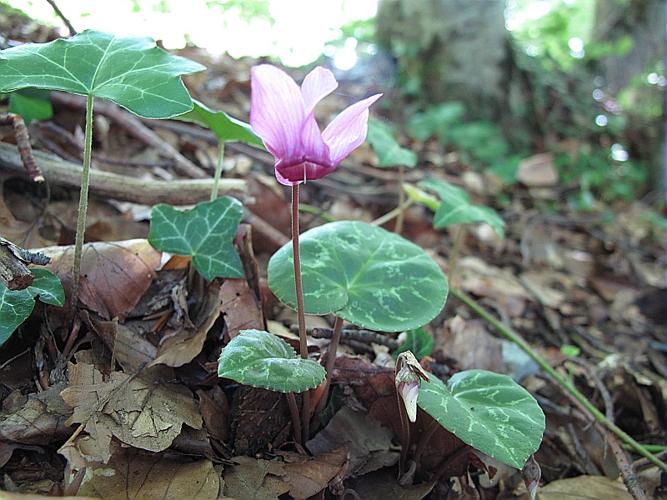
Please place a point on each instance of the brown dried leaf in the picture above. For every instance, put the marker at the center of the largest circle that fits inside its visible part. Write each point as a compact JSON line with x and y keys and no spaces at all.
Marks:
{"x":584,"y":488}
{"x":369,"y":443}
{"x":382,"y":485}
{"x":134,"y":474}
{"x":114,"y":276}
{"x":240,"y":307}
{"x":214,"y":409}
{"x":538,"y":171}
{"x":248,"y":479}
{"x":142,"y":411}
{"x":41,"y":420}
{"x":306,"y":477}
{"x":471,"y":345}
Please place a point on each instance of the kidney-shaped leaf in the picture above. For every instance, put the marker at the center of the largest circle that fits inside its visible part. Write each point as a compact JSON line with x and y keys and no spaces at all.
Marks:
{"x":17,"y":305}
{"x":261,"y":359}
{"x":455,"y":208}
{"x":133,"y":72}
{"x":487,"y":411}
{"x":388,"y":150}
{"x":364,"y":274}
{"x":205,"y":233}
{"x":225,"y":127}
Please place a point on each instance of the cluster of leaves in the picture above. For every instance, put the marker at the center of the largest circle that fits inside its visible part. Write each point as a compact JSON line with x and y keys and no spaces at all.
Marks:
{"x":359,"y":272}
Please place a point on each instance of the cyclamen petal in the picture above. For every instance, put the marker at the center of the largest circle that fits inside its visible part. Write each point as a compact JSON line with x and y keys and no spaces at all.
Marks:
{"x":282,"y":114}
{"x":348,"y":130}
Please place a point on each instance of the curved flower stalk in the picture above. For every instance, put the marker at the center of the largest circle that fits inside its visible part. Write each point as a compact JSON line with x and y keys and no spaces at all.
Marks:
{"x":282,"y":114}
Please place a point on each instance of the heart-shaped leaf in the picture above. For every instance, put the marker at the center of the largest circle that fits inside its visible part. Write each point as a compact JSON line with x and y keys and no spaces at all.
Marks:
{"x":206,"y":233}
{"x":17,"y":305}
{"x":225,"y":127}
{"x":487,"y":411}
{"x":388,"y":150}
{"x":418,"y":341}
{"x":133,"y":72}
{"x":455,"y":208}
{"x":47,"y":286}
{"x":261,"y":359}
{"x":364,"y":274}
{"x":31,"y":104}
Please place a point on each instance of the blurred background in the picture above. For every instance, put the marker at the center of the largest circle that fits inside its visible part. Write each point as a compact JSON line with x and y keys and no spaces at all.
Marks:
{"x":497,"y":80}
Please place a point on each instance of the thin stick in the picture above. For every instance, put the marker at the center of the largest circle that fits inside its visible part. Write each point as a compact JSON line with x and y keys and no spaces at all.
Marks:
{"x":83,"y":203}
{"x":23,"y":144}
{"x":301,"y":315}
{"x":218,"y":170}
{"x":398,"y":228}
{"x":331,"y":361}
{"x":294,"y":413}
{"x":562,"y":381}
{"x":383,"y":219}
{"x":64,"y":19}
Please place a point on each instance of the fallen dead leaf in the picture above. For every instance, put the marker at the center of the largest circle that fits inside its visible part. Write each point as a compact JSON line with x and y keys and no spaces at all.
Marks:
{"x":132,"y":473}
{"x":248,"y":478}
{"x":538,"y":171}
{"x":240,"y":307}
{"x":214,"y":409}
{"x":369,"y":443}
{"x":382,"y":485}
{"x":471,"y":345}
{"x":584,"y":487}
{"x":143,"y":411}
{"x":114,"y":276}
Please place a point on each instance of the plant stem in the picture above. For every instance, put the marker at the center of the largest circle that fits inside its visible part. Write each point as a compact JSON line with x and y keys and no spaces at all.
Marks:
{"x":562,"y":381}
{"x":398,"y":228}
{"x":83,"y":203}
{"x":383,"y":219}
{"x":454,"y":256}
{"x":218,"y":170}
{"x":301,"y":316}
{"x":331,"y":361}
{"x":294,"y":413}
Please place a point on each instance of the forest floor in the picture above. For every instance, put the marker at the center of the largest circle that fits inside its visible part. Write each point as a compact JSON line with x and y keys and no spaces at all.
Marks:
{"x":585,"y":289}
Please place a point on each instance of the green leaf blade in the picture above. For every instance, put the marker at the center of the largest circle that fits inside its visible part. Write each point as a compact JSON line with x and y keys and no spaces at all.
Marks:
{"x":133,"y":72}
{"x":15,"y":307}
{"x":418,"y":341}
{"x":365,"y":274}
{"x":205,"y":233}
{"x":225,"y":127}
{"x":31,"y":104}
{"x":260,"y":359}
{"x":487,"y":411}
{"x":388,"y":150}
{"x":47,"y":287}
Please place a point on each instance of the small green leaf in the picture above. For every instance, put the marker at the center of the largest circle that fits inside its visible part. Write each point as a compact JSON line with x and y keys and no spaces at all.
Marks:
{"x":133,"y":72}
{"x":418,"y":341}
{"x":364,"y":274}
{"x":487,"y":411}
{"x":206,"y":233}
{"x":31,"y":104}
{"x":15,"y":308}
{"x":455,"y":207}
{"x":261,"y":359}
{"x":225,"y":127}
{"x":388,"y":150}
{"x":47,"y":287}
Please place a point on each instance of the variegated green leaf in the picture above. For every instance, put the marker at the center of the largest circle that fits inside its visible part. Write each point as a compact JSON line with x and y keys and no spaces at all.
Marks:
{"x":364,"y":274}
{"x":261,"y":359}
{"x":206,"y":233}
{"x":133,"y":72}
{"x":487,"y":411}
{"x":47,"y":286}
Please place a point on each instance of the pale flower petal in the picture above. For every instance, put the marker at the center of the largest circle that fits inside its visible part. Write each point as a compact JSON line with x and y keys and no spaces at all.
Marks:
{"x":277,"y":111}
{"x":318,"y":84}
{"x":348,"y":130}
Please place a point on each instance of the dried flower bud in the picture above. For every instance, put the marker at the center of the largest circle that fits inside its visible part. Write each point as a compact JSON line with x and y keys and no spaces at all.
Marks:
{"x":409,"y":375}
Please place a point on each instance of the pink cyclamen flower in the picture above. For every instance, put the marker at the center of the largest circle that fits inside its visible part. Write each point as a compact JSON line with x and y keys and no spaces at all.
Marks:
{"x":282,"y":115}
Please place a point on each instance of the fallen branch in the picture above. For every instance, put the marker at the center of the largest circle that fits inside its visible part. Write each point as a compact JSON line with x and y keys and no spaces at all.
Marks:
{"x":121,"y":187}
{"x":510,"y":334}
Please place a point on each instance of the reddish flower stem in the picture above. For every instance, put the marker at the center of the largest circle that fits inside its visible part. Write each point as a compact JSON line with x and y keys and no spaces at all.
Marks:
{"x":330,"y":362}
{"x":301,"y":316}
{"x":294,"y":413}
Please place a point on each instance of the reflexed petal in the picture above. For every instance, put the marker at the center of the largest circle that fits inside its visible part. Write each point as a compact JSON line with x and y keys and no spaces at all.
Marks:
{"x":318,"y":84}
{"x":348,"y":130}
{"x":276,"y":111}
{"x":297,"y":173}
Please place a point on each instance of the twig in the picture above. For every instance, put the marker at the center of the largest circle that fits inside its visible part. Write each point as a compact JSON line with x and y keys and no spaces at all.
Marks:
{"x":513,"y":336}
{"x":382,"y":220}
{"x":122,"y":187}
{"x":360,"y":335}
{"x":135,"y":127}
{"x":23,"y":144}
{"x":64,"y":19}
